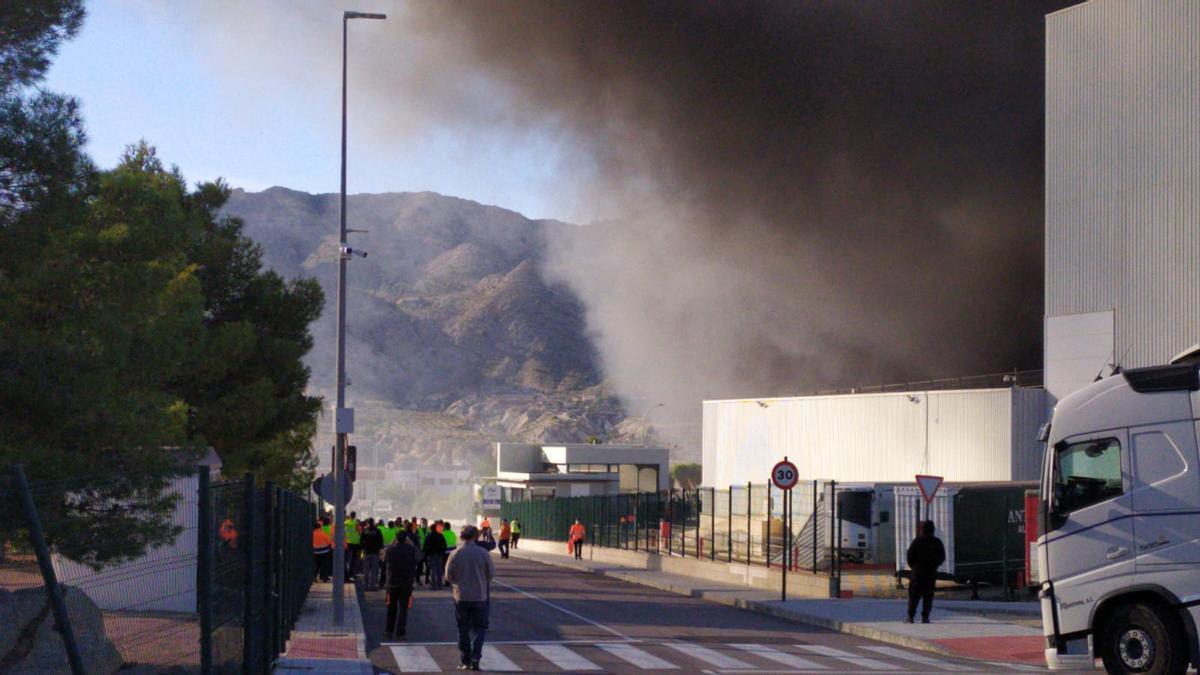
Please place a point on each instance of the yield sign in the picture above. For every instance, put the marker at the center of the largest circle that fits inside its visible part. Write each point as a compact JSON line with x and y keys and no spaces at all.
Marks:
{"x":929,"y":486}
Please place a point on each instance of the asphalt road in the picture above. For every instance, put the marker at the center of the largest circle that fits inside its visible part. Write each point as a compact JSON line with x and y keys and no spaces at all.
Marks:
{"x":548,"y":619}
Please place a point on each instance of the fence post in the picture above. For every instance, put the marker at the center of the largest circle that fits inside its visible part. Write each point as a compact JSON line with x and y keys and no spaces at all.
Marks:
{"x":768,"y":518}
{"x":835,"y":582}
{"x":712,"y":535}
{"x":270,"y":584}
{"x":249,"y":624}
{"x":749,"y":523}
{"x":204,"y":567}
{"x":815,"y":522}
{"x":58,"y":605}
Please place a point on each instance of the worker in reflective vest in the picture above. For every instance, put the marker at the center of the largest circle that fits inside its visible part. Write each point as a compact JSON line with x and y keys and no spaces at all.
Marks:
{"x":228,"y":533}
{"x":322,"y":552}
{"x":353,"y":545}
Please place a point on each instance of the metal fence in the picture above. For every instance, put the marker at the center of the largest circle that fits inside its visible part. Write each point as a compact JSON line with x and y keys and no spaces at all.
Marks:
{"x":743,"y":524}
{"x":179,"y":574}
{"x":254,"y":572}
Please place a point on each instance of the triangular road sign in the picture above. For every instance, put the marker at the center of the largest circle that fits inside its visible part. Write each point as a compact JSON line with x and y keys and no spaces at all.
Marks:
{"x":929,"y":486}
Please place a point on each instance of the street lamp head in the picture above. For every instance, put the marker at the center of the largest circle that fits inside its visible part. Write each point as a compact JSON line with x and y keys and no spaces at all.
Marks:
{"x":362,"y":15}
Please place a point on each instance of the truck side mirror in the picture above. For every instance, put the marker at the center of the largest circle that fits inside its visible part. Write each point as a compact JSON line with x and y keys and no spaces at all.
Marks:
{"x":1055,"y":513}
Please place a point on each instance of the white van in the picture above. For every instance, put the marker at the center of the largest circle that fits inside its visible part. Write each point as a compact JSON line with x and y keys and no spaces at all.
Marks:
{"x":1120,"y":523}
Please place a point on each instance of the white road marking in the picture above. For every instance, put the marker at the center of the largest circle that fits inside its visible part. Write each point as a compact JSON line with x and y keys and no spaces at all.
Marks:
{"x":860,"y":661}
{"x":414,"y":660}
{"x":710,"y":656}
{"x":778,"y":656}
{"x":564,"y":610}
{"x":564,"y":658}
{"x":494,"y":659}
{"x":918,"y":658}
{"x":639,"y":658}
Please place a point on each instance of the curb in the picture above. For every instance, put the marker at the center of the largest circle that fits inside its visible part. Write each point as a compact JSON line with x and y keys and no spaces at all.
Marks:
{"x":725,"y":597}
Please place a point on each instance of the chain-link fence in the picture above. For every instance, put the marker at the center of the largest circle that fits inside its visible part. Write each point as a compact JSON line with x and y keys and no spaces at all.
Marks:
{"x":151,"y":573}
{"x":743,"y":523}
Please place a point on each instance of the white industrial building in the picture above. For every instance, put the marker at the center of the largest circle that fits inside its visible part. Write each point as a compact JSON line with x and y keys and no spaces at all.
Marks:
{"x":1122,"y":187}
{"x":963,"y":435}
{"x":1122,"y":270}
{"x":527,"y":471}
{"x":166,"y":574}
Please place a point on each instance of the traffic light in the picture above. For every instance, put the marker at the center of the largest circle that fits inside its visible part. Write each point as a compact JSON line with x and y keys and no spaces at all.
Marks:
{"x":352,"y":462}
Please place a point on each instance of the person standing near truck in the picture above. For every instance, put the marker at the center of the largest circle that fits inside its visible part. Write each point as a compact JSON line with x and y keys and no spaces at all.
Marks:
{"x":925,"y":555}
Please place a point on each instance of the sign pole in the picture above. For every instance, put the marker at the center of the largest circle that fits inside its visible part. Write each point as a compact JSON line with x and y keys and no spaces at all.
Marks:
{"x":784,"y":476}
{"x":783,"y":558}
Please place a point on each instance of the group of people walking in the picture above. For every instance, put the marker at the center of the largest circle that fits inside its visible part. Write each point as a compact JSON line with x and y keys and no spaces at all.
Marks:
{"x":397,"y":555}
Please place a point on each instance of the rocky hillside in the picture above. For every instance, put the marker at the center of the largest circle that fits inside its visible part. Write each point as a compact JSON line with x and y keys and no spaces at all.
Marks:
{"x":449,"y":315}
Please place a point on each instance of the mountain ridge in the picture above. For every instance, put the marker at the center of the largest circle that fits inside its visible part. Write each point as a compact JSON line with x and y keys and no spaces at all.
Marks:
{"x":450,"y":313}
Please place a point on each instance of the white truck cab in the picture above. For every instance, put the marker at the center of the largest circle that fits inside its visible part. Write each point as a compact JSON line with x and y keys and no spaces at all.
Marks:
{"x":1120,"y":523}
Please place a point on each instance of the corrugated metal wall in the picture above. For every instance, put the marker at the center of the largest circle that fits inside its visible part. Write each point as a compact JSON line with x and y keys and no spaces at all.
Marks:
{"x":872,"y":437}
{"x":1028,"y":415}
{"x":1123,"y":170}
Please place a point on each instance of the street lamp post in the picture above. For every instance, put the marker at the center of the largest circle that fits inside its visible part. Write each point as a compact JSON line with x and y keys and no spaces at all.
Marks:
{"x":644,"y":421}
{"x":343,"y":418}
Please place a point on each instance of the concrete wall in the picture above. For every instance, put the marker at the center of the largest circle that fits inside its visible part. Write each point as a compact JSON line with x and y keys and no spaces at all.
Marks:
{"x":1122,"y":183}
{"x":800,"y":584}
{"x":518,"y":458}
{"x":164,"y":579}
{"x":972,"y":435}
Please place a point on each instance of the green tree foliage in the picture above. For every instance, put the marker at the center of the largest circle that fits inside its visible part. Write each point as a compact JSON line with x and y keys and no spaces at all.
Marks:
{"x":30,"y":33}
{"x":687,"y":475}
{"x":136,"y":324}
{"x":245,"y":384}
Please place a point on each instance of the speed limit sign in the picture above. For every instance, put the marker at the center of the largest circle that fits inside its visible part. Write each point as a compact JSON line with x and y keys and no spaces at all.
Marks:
{"x":784,"y":475}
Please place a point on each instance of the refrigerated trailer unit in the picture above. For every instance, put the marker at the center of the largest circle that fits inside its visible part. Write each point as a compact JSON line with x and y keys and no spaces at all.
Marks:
{"x":983,"y":539}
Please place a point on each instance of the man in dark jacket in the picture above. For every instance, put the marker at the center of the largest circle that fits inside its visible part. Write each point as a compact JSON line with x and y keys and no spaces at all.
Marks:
{"x":435,"y":551}
{"x":400,"y":560}
{"x":925,"y":555}
{"x":371,"y":543}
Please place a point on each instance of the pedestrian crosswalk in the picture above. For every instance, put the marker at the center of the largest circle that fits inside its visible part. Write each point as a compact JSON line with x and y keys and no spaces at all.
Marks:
{"x":687,"y":657}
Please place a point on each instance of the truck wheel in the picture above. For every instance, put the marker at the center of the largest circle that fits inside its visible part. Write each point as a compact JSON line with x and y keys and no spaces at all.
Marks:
{"x":1143,"y":639}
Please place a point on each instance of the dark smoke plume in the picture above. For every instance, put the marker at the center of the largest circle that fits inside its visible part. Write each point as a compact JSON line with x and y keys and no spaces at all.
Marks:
{"x":811,"y":194}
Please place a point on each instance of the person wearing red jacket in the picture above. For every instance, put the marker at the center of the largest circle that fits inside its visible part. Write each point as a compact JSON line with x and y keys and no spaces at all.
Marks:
{"x":575,"y":540}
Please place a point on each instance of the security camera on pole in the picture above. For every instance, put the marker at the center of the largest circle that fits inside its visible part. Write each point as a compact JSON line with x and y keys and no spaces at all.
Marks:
{"x":343,"y":417}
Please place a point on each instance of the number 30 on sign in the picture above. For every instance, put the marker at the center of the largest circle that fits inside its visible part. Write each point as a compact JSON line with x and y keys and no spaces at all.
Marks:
{"x":784,"y":475}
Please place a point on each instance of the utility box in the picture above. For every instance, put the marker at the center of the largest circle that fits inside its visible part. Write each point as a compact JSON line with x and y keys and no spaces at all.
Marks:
{"x":343,"y":420}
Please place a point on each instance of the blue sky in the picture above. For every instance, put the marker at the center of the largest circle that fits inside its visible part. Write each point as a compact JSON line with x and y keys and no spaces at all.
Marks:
{"x":220,"y":95}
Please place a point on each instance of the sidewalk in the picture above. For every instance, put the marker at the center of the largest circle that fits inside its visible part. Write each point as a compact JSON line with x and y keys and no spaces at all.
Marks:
{"x":992,"y":631}
{"x":317,"y":646}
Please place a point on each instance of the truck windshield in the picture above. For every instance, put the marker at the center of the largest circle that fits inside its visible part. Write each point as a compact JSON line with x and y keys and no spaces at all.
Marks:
{"x":1086,"y":473}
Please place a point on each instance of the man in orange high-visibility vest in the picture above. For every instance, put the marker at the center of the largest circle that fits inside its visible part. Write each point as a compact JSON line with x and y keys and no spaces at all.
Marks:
{"x":575,"y":540}
{"x":228,"y":533}
{"x":322,"y":546}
